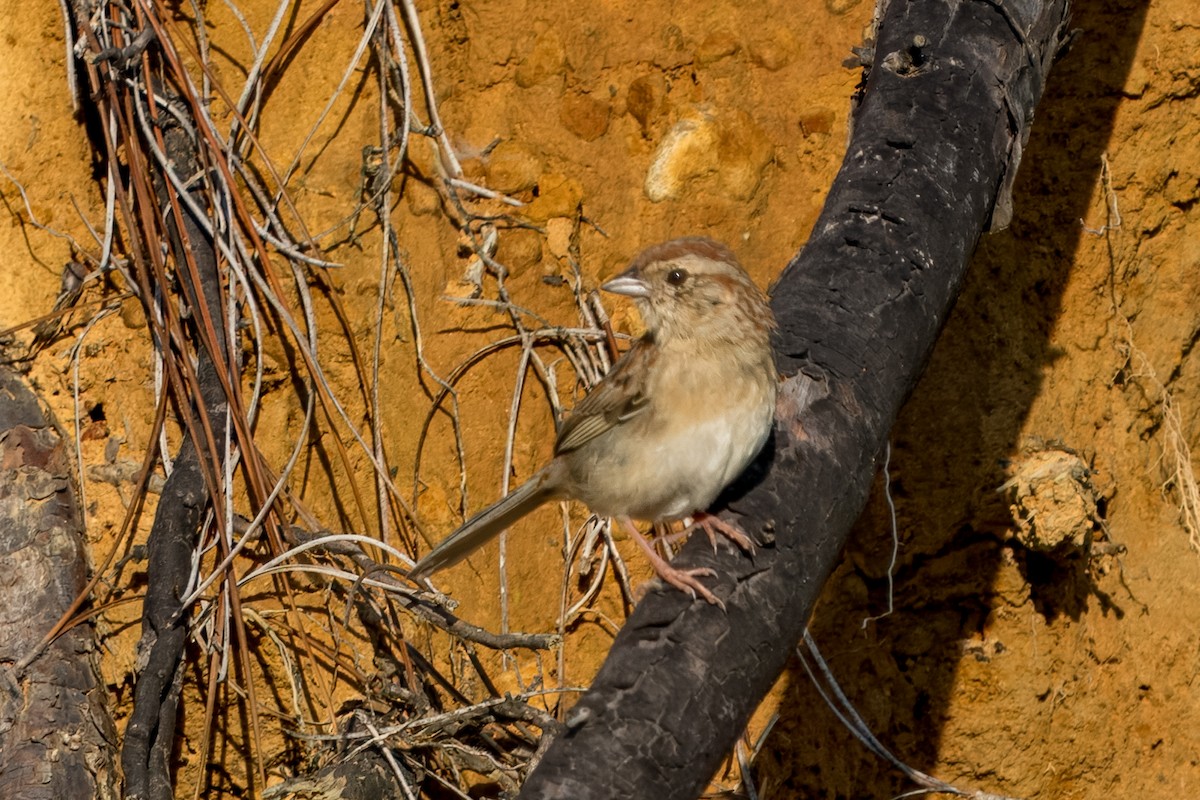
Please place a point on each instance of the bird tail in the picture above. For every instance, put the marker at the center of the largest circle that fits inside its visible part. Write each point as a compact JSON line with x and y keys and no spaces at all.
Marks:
{"x":480,"y":529}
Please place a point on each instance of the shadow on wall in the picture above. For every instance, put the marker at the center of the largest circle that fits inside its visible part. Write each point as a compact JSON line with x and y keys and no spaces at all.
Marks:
{"x":949,"y":446}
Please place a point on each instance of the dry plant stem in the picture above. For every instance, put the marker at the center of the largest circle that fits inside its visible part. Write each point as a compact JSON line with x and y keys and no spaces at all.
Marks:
{"x":1176,"y":451}
{"x":571,"y":549}
{"x":333,"y":408}
{"x":401,"y":60}
{"x":252,"y":87}
{"x":891,"y":504}
{"x":290,"y":670}
{"x":1112,"y":208}
{"x":385,"y":631}
{"x":599,"y":570}
{"x":446,"y":385}
{"x":78,"y":426}
{"x":150,"y":734}
{"x":835,"y":699}
{"x":401,"y":778}
{"x":619,"y":567}
{"x":148,"y":740}
{"x":506,"y":471}
{"x":1177,"y":454}
{"x":330,"y":402}
{"x":381,"y":212}
{"x":106,"y":305}
{"x":498,"y":708}
{"x":445,"y":784}
{"x":110,"y":208}
{"x":375,"y":405}
{"x":434,"y":613}
{"x":382,"y":200}
{"x":545,"y":336}
{"x":293,"y":42}
{"x":69,"y":57}
{"x":169,"y":37}
{"x":198,"y":217}
{"x":308,"y":306}
{"x":447,"y":160}
{"x":211,"y":695}
{"x":256,"y":325}
{"x":32,"y":217}
{"x":351,"y":68}
{"x":1179,"y":457}
{"x":501,"y":306}
{"x":254,"y":527}
{"x":744,"y":764}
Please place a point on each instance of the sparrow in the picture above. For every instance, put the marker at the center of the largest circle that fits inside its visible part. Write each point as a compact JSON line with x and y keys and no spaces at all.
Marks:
{"x":681,"y":414}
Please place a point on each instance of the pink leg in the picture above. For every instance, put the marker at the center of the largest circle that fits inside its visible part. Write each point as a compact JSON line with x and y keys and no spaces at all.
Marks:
{"x":712,"y":525}
{"x":685,"y":580}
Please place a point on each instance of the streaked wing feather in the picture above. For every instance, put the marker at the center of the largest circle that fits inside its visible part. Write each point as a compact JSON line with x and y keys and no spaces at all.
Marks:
{"x":618,"y":398}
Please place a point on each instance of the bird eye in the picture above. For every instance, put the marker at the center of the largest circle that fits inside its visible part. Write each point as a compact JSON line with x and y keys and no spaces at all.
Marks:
{"x":676,"y":277}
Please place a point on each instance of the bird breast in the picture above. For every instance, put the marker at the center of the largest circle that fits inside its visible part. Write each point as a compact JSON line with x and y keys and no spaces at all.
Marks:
{"x":705,"y":424}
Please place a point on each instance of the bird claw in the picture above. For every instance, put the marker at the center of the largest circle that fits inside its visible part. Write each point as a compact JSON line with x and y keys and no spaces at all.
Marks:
{"x":712,"y":525}
{"x":685,"y":580}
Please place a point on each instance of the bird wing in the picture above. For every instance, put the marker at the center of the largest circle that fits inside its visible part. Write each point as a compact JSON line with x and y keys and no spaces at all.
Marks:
{"x":618,"y":398}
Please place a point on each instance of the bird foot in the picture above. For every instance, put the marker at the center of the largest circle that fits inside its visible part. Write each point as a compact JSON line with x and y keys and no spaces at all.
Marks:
{"x":712,"y":525}
{"x":685,"y":580}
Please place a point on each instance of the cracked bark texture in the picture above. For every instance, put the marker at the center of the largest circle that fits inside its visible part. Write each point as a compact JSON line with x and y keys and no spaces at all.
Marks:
{"x":56,"y":737}
{"x":943,"y":117}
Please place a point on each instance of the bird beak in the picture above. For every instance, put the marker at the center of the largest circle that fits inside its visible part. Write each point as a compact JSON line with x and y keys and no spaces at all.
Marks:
{"x":628,"y":283}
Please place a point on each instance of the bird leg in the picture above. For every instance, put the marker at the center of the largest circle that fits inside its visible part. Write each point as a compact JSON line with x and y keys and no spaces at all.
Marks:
{"x":685,"y":580}
{"x":712,"y":525}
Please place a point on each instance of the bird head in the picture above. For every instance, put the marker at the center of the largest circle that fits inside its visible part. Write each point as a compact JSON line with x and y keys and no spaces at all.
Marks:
{"x":694,"y":290}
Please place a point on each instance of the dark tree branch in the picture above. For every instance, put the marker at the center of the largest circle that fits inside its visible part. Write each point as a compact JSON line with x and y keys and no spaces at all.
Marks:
{"x":201,"y":399}
{"x":946,"y":109}
{"x":175,"y":533}
{"x":56,"y":738}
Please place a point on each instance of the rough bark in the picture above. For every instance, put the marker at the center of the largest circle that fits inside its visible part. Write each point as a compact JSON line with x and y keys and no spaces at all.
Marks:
{"x":943,"y":117}
{"x":56,"y":738}
{"x":174,"y":535}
